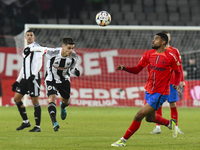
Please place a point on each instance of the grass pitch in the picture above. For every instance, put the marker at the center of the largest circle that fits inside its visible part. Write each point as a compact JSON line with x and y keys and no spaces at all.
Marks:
{"x":87,"y":128}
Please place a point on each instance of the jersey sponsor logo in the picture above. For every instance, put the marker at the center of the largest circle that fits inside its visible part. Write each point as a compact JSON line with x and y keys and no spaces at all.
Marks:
{"x":59,"y":68}
{"x":157,"y":68}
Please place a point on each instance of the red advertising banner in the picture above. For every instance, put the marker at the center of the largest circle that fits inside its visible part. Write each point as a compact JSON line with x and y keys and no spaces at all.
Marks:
{"x":99,"y":85}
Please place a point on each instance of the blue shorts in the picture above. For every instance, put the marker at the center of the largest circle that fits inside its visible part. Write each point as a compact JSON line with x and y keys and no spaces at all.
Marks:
{"x":173,"y":96}
{"x":155,"y":100}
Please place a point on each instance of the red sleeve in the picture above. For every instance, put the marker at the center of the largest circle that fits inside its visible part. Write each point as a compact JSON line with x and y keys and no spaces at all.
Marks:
{"x":175,"y":66}
{"x":181,"y":70}
{"x":134,"y":70}
{"x":177,"y":77}
{"x":180,"y":61}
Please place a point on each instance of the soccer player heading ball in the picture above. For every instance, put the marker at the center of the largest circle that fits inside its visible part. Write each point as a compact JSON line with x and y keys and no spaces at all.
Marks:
{"x":159,"y":62}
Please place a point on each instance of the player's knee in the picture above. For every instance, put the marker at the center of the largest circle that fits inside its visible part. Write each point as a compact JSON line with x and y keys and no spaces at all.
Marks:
{"x":66,"y":101}
{"x":138,"y":117}
{"x":149,"y":119}
{"x":16,"y":99}
{"x":173,"y":104}
{"x":35,"y":101}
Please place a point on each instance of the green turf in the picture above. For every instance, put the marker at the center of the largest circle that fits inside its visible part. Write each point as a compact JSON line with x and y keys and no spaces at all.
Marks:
{"x":96,"y":129}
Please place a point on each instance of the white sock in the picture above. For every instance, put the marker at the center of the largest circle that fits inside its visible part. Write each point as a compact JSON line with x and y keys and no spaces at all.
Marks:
{"x":37,"y":126}
{"x":25,"y":121}
{"x":123,"y":139}
{"x":157,"y":126}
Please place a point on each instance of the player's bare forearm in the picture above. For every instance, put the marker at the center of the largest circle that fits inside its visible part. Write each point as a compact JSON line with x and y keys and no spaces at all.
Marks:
{"x":177,"y":88}
{"x":121,"y":67}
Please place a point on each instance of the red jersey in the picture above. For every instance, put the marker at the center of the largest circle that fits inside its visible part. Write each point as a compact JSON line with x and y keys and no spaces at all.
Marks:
{"x":175,"y":51}
{"x":160,"y":66}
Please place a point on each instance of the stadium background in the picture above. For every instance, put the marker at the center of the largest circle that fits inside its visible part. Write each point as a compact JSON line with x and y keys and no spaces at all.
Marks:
{"x":14,"y":14}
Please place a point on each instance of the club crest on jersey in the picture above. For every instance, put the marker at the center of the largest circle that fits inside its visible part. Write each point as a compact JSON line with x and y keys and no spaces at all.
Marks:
{"x":49,"y":87}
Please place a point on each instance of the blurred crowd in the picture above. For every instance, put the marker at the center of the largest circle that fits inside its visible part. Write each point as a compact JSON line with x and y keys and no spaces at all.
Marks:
{"x":15,"y":13}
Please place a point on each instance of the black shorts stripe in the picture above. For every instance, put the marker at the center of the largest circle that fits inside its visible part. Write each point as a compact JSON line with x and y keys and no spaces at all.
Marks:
{"x":158,"y":102}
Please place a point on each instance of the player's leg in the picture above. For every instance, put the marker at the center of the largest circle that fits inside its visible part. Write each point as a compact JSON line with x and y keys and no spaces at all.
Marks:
{"x":34,"y":93}
{"x":37,"y":114}
{"x":146,"y":109}
{"x":173,"y":98}
{"x":20,"y":92}
{"x":156,"y":100}
{"x":64,"y":90}
{"x":157,"y":129}
{"x":51,"y":93}
{"x":63,"y":105}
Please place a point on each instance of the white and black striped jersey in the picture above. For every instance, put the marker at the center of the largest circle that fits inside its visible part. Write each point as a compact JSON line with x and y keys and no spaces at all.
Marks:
{"x":58,"y":68}
{"x":32,"y":63}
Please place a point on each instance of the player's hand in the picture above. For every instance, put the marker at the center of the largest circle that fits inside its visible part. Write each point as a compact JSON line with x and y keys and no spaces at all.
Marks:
{"x":31,"y":78}
{"x":27,"y":51}
{"x":77,"y":72}
{"x":121,"y":67}
{"x":182,"y":83}
{"x":14,"y":86}
{"x":177,"y":88}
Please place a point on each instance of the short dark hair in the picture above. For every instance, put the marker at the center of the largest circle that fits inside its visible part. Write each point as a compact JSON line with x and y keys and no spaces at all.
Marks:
{"x":30,"y":30}
{"x":68,"y":40}
{"x":163,"y":36}
{"x":166,"y":32}
{"x":192,"y":57}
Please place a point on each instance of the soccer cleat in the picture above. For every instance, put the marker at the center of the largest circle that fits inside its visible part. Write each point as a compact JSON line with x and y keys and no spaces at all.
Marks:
{"x":56,"y":126}
{"x":35,"y":129}
{"x":24,"y":125}
{"x":172,"y":126}
{"x":63,"y":113}
{"x":156,"y":131}
{"x":120,"y":143}
{"x":179,"y":131}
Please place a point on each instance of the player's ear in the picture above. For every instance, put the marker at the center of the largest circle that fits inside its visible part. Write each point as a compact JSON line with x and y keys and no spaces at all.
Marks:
{"x":164,"y":43}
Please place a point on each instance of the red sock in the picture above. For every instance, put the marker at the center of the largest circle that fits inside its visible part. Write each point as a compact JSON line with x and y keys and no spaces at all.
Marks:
{"x":160,"y":120}
{"x":132,"y":129}
{"x":159,"y":112}
{"x":174,"y":114}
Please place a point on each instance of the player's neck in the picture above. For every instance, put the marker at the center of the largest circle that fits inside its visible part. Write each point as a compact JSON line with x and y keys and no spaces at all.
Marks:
{"x":28,"y":43}
{"x":160,"y":50}
{"x":167,"y":46}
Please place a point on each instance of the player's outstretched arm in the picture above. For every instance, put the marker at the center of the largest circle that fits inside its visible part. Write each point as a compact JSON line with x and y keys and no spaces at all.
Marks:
{"x":134,"y":70}
{"x":28,"y":50}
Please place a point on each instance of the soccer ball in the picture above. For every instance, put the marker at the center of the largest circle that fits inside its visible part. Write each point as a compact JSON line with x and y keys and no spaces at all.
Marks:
{"x":103,"y":18}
